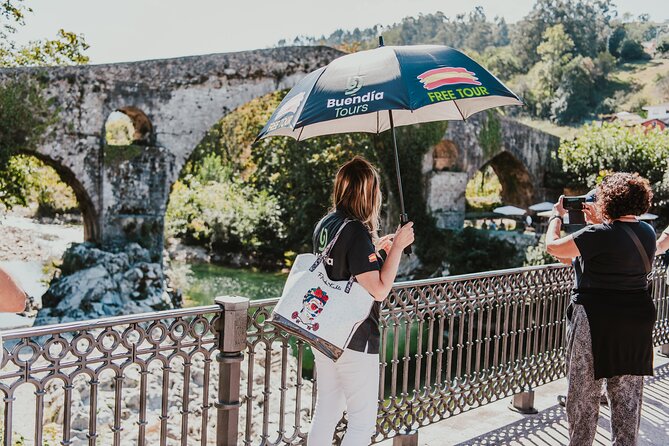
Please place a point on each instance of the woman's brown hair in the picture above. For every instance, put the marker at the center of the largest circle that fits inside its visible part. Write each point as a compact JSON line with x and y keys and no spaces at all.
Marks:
{"x":623,"y":193}
{"x":357,"y":193}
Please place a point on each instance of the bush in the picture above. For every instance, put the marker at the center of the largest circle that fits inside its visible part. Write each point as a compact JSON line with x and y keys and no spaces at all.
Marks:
{"x":228,"y":217}
{"x":632,"y":50}
{"x":469,"y":251}
{"x":614,"y":148}
{"x":537,"y":255}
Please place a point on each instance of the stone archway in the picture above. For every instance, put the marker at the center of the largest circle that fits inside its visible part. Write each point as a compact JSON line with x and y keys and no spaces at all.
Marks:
{"x":517,"y":185}
{"x":86,"y":205}
{"x":522,"y":157}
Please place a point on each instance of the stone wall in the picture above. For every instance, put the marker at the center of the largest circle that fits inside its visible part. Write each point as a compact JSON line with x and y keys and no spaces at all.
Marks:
{"x":446,"y":198}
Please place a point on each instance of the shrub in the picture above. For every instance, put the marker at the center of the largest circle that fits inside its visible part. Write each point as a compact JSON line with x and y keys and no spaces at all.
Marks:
{"x":469,"y":251}
{"x":614,"y":148}
{"x":228,"y":217}
{"x":631,"y":50}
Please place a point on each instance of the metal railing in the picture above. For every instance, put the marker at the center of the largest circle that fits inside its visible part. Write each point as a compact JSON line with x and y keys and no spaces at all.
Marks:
{"x":448,"y":345}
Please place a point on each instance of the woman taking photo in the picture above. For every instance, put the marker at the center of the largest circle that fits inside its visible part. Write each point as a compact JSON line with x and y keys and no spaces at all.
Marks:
{"x":611,"y":315}
{"x":352,"y":383}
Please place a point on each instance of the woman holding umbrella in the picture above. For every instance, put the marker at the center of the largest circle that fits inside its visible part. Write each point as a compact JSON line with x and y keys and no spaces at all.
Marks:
{"x":352,"y":383}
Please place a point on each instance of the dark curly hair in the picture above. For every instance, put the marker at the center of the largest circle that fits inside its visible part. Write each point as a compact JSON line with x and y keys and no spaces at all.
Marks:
{"x":623,"y":194}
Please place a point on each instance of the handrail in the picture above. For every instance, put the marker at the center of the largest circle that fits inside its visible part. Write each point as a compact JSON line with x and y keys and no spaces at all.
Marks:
{"x":448,"y":345}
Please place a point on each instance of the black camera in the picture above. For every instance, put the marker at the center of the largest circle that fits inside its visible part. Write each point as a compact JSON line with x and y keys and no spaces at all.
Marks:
{"x":574,"y":205}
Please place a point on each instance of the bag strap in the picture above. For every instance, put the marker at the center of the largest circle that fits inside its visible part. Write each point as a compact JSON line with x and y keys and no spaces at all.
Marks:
{"x":324,"y":254}
{"x":639,"y":246}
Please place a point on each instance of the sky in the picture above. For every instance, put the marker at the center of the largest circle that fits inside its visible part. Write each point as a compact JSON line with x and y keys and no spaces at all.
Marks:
{"x":129,"y":30}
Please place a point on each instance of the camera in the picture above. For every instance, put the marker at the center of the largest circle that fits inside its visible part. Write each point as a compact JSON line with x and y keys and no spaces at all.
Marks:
{"x":574,"y":206}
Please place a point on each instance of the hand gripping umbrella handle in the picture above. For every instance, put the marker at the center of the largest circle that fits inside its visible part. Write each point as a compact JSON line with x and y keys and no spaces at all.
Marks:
{"x":404,"y":219}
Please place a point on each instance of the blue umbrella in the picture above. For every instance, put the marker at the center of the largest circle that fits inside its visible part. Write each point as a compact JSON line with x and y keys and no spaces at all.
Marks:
{"x":376,"y":90}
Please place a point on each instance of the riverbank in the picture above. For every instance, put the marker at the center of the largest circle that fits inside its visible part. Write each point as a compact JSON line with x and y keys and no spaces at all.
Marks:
{"x":29,"y":248}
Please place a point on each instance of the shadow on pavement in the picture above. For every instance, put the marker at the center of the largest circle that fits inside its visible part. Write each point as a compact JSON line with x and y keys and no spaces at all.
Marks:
{"x":549,"y":427}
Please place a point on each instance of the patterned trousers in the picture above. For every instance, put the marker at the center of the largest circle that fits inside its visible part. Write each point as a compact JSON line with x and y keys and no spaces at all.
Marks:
{"x":624,"y":392}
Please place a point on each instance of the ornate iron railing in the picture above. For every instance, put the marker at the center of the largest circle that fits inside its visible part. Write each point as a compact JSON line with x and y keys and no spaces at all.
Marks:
{"x":448,"y":345}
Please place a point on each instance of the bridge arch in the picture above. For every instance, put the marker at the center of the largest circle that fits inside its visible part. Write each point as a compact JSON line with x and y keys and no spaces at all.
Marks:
{"x":86,"y":205}
{"x":522,"y":157}
{"x":517,"y":183}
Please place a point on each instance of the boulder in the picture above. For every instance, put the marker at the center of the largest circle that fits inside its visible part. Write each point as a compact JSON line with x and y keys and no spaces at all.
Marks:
{"x":94,"y":283}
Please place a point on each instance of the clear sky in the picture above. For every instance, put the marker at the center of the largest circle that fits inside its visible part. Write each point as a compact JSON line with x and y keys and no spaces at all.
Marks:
{"x":127,"y":30}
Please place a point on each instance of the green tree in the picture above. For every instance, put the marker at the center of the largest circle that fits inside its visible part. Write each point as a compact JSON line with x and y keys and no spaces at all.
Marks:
{"x":616,"y":40}
{"x":469,"y":251}
{"x":546,"y":76}
{"x":24,"y":113}
{"x":586,"y":22}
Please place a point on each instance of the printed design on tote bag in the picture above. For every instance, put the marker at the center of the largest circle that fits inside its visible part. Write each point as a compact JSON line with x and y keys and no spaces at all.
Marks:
{"x":312,"y":305}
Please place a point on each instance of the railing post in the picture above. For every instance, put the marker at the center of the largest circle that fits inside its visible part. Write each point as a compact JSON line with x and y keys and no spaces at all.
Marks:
{"x":664,"y":350}
{"x":523,"y":402}
{"x":407,"y":438}
{"x":231,"y":329}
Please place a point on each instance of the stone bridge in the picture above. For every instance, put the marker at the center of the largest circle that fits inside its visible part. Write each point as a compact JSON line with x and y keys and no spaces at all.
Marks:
{"x":123,"y":190}
{"x":523,"y":158}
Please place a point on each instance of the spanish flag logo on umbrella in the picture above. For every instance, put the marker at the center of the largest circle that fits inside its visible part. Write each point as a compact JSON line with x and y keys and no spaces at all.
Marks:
{"x":438,"y":77}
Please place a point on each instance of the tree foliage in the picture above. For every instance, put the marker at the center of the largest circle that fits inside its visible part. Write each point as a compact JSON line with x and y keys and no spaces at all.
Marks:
{"x":214,"y":209}
{"x":66,"y":49}
{"x":24,"y":113}
{"x":24,"y":116}
{"x":614,"y":148}
{"x":585,"y":21}
{"x":299,"y":175}
{"x":470,"y":248}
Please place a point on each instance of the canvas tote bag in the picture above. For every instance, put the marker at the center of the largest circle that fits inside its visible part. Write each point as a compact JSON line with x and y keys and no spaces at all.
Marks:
{"x":323,"y":312}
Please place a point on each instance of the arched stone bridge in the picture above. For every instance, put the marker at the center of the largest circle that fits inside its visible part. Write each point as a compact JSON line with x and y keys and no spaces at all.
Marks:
{"x":523,"y":158}
{"x":172,"y":103}
{"x":123,"y":192}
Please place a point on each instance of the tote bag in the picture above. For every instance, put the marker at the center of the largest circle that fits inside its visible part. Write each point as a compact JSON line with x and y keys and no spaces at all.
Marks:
{"x":325,"y":313}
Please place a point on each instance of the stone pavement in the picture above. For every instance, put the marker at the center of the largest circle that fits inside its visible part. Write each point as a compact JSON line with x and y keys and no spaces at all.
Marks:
{"x":495,"y":424}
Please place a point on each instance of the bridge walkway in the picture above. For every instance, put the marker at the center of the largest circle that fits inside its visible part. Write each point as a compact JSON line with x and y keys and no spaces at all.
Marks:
{"x":495,"y":425}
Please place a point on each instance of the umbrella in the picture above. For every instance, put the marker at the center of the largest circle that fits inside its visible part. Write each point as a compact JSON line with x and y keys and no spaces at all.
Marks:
{"x":647,"y":216}
{"x":509,"y":211}
{"x":540,"y":207}
{"x":376,"y":90}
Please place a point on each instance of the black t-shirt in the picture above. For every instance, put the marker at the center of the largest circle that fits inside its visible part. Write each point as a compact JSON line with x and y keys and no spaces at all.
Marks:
{"x":609,"y":257}
{"x":351,"y":255}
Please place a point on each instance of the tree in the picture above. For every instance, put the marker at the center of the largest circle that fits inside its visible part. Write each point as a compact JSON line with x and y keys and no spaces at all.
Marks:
{"x":546,"y":76}
{"x":616,"y":40}
{"x":24,"y":113}
{"x":573,"y":97}
{"x":586,"y":22}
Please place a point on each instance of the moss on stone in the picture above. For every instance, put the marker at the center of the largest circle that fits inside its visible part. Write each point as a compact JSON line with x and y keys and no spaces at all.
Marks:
{"x":490,"y":135}
{"x":115,"y":155}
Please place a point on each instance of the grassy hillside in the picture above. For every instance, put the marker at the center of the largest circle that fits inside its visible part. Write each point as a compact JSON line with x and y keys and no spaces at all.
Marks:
{"x":647,"y":81}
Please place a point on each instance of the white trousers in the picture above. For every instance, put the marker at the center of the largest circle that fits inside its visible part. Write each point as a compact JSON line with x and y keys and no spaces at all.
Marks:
{"x":350,"y":384}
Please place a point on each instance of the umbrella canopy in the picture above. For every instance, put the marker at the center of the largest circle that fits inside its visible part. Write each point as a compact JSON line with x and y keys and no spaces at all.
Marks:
{"x":375,"y":90}
{"x":509,"y":211}
{"x":540,"y":207}
{"x":355,"y":92}
{"x":545,"y":214}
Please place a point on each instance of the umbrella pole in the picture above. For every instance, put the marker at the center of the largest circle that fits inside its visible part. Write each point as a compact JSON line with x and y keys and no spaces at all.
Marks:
{"x":404,"y":218}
